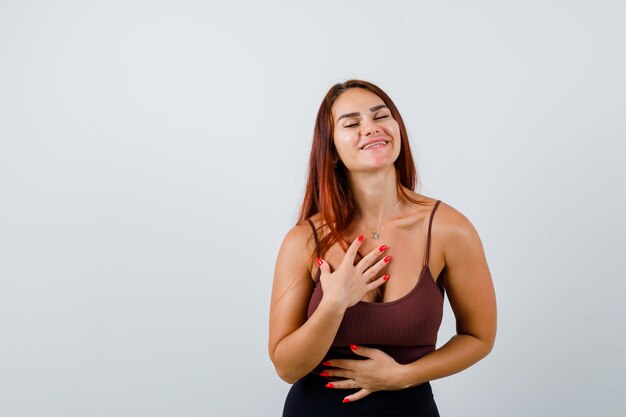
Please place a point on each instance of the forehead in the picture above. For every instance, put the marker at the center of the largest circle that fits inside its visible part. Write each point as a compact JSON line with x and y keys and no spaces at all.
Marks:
{"x":355,"y":100}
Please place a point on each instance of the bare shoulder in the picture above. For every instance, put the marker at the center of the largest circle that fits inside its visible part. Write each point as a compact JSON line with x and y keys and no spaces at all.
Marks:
{"x":459,"y":237}
{"x":452,"y":221}
{"x":452,"y":230}
{"x":298,"y":244}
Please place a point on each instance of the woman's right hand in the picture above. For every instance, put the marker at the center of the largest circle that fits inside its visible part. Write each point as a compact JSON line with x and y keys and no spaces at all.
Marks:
{"x":350,"y":283}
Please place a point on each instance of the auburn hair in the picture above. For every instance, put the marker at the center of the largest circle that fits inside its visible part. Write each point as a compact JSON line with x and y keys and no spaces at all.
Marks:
{"x":327,"y":187}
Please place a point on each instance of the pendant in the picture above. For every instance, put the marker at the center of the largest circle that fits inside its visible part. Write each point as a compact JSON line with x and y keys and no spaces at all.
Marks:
{"x":374,"y":234}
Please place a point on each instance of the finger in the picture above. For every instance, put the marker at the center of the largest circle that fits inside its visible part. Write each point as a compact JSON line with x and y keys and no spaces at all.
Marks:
{"x":341,"y":373}
{"x":377,"y":282}
{"x":357,"y":395}
{"x":352,"y":251}
{"x":324,"y":267}
{"x":364,"y":351}
{"x":345,"y":364}
{"x":374,"y":269}
{"x":372,"y":256}
{"x":341,"y":384}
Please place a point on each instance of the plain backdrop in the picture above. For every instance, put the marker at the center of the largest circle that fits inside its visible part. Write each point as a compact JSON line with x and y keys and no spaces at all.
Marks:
{"x":153,"y":156}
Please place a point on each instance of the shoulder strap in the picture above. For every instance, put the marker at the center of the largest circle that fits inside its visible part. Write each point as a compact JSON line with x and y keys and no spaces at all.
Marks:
{"x":317,"y":246}
{"x":430,"y":223}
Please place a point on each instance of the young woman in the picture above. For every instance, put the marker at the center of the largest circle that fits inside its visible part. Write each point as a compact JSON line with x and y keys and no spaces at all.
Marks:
{"x":359,"y":283}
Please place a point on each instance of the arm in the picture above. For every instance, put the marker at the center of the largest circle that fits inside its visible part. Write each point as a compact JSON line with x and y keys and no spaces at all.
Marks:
{"x":298,"y":345}
{"x":472,"y":298}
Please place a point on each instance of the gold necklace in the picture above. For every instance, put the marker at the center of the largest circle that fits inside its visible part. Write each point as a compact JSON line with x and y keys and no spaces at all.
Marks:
{"x":373,"y":231}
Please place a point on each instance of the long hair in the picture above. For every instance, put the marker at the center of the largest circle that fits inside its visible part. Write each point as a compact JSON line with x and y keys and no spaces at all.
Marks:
{"x":327,"y":189}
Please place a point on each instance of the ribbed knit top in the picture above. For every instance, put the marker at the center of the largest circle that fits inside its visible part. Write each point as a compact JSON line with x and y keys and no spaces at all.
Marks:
{"x":406,"y":328}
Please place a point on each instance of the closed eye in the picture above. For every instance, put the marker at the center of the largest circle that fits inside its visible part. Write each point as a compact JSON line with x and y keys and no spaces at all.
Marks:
{"x":375,"y":118}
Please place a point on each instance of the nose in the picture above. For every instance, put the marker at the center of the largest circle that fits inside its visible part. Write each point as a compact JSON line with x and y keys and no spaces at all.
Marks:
{"x":369,"y":127}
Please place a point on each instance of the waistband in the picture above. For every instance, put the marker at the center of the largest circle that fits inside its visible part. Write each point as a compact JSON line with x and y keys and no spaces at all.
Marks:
{"x":380,"y":403}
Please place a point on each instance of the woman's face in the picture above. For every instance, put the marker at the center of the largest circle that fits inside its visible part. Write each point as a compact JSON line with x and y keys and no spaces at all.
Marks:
{"x":366,"y":134}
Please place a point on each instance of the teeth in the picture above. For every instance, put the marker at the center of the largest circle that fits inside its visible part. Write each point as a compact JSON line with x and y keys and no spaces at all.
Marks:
{"x":375,"y":143}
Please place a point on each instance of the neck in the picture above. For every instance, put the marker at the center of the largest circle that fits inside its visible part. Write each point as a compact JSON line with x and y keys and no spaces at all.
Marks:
{"x":375,"y":194}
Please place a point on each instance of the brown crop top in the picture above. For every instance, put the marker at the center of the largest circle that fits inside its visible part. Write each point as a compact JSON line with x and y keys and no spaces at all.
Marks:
{"x":406,"y":329}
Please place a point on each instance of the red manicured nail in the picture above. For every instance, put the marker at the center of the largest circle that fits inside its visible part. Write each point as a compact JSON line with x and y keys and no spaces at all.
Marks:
{"x":324,"y":373}
{"x":326,"y":364}
{"x":330,"y":385}
{"x":387,"y":259}
{"x":361,"y":238}
{"x":345,"y":400}
{"x":383,"y":248}
{"x":353,"y":347}
{"x":386,"y":277}
{"x":319,"y":262}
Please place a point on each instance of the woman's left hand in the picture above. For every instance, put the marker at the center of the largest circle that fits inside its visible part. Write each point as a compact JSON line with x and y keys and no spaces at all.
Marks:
{"x":379,"y":373}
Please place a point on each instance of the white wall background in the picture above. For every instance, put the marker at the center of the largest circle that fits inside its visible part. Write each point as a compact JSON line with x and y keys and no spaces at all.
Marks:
{"x":152,"y":157}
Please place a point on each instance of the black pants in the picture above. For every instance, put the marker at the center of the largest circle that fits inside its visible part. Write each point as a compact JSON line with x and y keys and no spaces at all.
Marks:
{"x":309,"y":398}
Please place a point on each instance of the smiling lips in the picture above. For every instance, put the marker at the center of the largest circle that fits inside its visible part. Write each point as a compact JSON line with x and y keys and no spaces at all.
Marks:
{"x":374,"y":144}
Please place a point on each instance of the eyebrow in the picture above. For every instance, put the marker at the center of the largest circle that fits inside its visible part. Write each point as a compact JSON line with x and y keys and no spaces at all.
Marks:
{"x":373,"y":109}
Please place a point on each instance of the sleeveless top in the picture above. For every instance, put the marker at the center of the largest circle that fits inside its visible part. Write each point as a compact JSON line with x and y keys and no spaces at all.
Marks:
{"x":406,"y":328}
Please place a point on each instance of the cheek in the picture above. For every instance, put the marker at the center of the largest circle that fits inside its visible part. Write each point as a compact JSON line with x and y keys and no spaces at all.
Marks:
{"x":395,"y":133}
{"x":343,"y":142}
{"x":394,"y":129}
